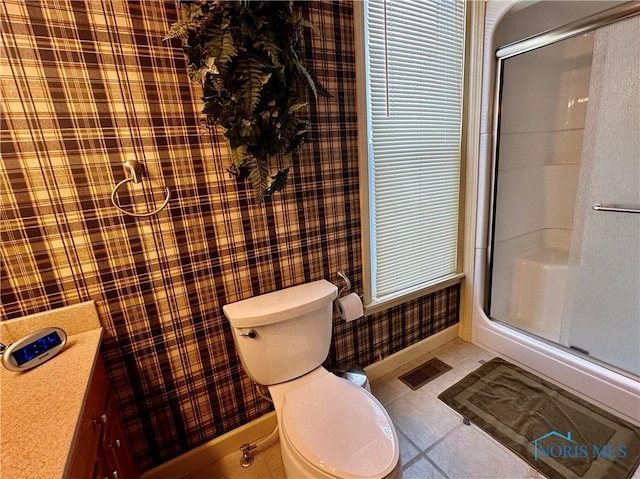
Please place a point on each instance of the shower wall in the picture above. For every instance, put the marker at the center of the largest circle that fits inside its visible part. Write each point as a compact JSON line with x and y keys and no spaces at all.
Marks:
{"x":86,"y":85}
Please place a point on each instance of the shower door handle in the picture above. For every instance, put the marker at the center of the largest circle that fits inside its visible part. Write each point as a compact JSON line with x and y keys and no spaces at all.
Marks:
{"x":599,"y":207}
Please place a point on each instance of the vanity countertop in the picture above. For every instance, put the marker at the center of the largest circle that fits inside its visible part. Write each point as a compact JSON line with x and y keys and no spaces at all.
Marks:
{"x":40,"y":409}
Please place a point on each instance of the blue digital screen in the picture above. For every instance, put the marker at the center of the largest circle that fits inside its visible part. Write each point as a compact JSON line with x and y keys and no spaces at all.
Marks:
{"x":35,"y":349}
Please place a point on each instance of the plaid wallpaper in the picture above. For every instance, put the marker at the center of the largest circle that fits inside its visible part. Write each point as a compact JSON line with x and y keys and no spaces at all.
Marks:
{"x":89,"y":84}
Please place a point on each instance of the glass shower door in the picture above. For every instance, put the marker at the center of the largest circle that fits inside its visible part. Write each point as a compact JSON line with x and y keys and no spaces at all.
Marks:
{"x":602,"y":302}
{"x":568,"y":140}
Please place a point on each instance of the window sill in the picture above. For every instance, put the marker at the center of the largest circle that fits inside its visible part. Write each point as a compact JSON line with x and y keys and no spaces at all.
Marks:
{"x":408,"y":295}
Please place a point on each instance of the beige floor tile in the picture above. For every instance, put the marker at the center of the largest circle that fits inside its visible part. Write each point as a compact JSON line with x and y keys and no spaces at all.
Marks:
{"x":422,"y":418}
{"x":422,"y":469}
{"x":469,"y":453}
{"x":456,"y":351}
{"x":472,"y":362}
{"x":388,"y":388}
{"x":466,"y":356}
{"x":229,"y":468}
{"x":408,"y":450}
{"x":415,"y":363}
{"x":273,"y":458}
{"x":441,"y":383}
{"x":534,"y":474}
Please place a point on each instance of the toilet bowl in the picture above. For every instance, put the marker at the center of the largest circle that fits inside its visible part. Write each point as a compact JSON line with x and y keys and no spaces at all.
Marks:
{"x":331,"y":428}
{"x":328,"y":426}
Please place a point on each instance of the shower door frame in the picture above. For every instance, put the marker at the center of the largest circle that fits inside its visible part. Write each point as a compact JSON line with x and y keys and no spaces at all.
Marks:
{"x":573,"y":29}
{"x":614,"y":390}
{"x":579,"y":27}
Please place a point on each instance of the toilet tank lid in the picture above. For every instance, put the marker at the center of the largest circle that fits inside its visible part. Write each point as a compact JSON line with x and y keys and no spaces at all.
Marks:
{"x":280,"y":305}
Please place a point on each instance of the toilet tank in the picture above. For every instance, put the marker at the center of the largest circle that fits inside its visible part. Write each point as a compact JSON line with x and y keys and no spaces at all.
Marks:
{"x":284,"y":334}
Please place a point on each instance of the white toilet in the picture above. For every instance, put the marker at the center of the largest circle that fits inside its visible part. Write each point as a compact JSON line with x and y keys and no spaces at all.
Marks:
{"x":329,"y":427}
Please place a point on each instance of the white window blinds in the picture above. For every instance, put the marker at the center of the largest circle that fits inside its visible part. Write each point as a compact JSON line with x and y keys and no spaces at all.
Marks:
{"x":414,"y":59}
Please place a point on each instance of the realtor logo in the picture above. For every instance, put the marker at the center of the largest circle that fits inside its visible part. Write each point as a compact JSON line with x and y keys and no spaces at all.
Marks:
{"x":571,"y":449}
{"x":547,"y":451}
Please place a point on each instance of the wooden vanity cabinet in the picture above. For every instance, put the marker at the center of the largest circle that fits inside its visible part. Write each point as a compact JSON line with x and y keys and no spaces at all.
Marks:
{"x":113,"y":451}
{"x":101,"y":449}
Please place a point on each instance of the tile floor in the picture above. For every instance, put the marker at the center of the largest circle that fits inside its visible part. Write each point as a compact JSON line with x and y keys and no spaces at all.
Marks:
{"x":434,"y":443}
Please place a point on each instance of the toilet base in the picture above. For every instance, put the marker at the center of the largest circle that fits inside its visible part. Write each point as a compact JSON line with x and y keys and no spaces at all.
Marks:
{"x":295,"y":467}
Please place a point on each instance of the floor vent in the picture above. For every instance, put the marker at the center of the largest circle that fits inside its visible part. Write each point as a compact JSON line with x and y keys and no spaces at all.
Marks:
{"x":418,"y":377}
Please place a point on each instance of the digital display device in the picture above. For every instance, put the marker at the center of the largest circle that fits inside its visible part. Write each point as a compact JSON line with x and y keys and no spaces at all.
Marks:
{"x":36,"y":348}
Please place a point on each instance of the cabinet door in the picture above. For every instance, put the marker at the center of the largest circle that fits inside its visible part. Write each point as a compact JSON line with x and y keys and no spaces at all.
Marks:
{"x":93,"y":420}
{"x":114,"y":451}
{"x":99,"y":472}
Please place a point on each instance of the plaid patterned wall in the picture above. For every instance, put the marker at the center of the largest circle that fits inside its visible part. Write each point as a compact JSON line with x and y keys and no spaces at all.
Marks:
{"x":87,"y":85}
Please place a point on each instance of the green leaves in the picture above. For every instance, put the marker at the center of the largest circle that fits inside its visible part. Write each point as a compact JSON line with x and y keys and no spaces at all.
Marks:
{"x":296,"y":107}
{"x":247,"y":57}
{"x":259,"y":175}
{"x":252,"y":75}
{"x":228,"y":50}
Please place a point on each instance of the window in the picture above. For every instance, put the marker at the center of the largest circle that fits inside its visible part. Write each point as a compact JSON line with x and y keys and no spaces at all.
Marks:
{"x":410,"y":84}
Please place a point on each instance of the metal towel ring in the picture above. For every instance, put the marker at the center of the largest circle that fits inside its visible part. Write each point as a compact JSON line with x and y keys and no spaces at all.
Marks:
{"x":136,"y":170}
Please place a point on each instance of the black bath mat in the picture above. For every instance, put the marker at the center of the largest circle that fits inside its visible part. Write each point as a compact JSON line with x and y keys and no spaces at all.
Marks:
{"x":558,"y":433}
{"x":426,"y":372}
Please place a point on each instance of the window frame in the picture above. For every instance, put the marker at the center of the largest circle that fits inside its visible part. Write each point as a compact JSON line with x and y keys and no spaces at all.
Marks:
{"x":372,"y":305}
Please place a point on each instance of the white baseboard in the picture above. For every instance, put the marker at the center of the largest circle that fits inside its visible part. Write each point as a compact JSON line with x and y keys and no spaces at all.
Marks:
{"x":214,"y":450}
{"x":410,"y":353}
{"x":230,"y":442}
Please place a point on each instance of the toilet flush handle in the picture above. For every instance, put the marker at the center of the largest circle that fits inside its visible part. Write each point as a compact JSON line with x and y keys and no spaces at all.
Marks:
{"x":252,"y":333}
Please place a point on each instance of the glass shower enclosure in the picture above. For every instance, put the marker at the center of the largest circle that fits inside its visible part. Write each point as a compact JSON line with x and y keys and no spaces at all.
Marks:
{"x":565,"y":246}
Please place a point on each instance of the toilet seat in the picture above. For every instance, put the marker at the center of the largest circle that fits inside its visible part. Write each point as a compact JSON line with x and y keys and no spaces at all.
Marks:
{"x":320,"y":418}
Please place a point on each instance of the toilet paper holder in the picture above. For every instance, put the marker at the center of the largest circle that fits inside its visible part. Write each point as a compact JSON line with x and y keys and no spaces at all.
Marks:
{"x":349,"y":307}
{"x":347,"y":287}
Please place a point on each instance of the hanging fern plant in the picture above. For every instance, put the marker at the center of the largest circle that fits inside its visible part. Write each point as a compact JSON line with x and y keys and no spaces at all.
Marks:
{"x":247,"y":55}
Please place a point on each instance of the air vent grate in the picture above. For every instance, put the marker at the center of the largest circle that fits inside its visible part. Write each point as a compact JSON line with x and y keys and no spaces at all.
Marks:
{"x":418,"y":377}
